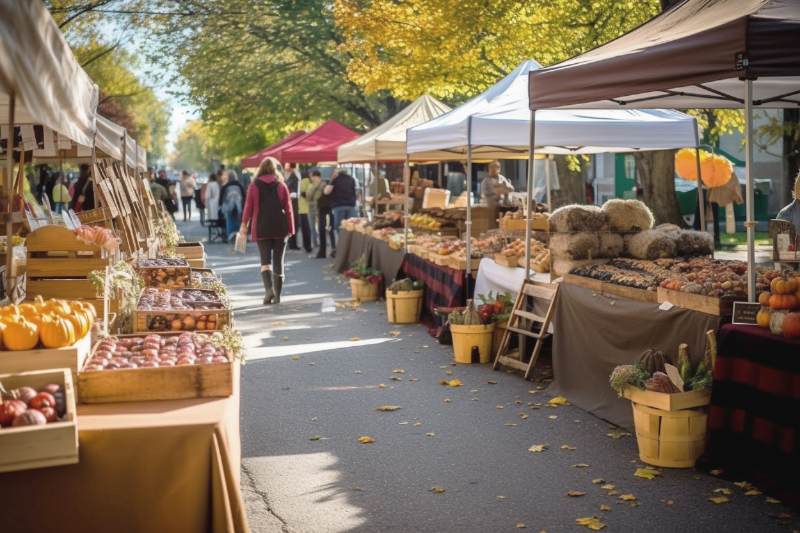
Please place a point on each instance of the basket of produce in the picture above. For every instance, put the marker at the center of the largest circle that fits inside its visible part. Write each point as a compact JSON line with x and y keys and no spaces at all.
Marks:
{"x":365,"y":282}
{"x":472,"y":338}
{"x":180,"y":310}
{"x":169,"y":273}
{"x":404,"y":301}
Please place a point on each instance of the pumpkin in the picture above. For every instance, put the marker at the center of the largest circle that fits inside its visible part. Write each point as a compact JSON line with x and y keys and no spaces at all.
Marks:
{"x":654,"y":360}
{"x":780,"y":301}
{"x":785,"y":284}
{"x":791,"y":326}
{"x":763,"y":298}
{"x":88,"y":308}
{"x":763,"y":316}
{"x":20,"y":334}
{"x":9,"y":311}
{"x":57,"y":306}
{"x":82,"y":320}
{"x":776,"y":321}
{"x":78,"y":324}
{"x":57,"y":333}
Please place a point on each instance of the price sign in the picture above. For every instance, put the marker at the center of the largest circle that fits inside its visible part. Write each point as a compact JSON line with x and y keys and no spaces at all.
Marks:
{"x":745,"y":313}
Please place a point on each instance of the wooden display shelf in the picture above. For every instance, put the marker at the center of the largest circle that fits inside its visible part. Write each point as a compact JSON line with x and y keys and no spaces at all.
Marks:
{"x":53,"y":444}
{"x":94,"y":216}
{"x":698,"y":302}
{"x":512,"y":224}
{"x":212,"y":380}
{"x":190,"y":250}
{"x":70,"y":289}
{"x":612,"y":289}
{"x":197,"y":263}
{"x":174,"y":277}
{"x":56,"y":252}
{"x":71,"y":357}
{"x":143,"y":320}
{"x":669,"y":402}
{"x":461,"y":264}
{"x":438,"y":259}
{"x":509,"y":261}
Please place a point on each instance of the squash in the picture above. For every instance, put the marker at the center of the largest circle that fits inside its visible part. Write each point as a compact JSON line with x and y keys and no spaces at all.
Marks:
{"x":57,"y":306}
{"x":28,"y":310}
{"x":791,"y":326}
{"x":762,"y":318}
{"x":684,"y":364}
{"x":471,"y":316}
{"x":78,"y":324}
{"x":780,"y":301}
{"x":776,"y":321}
{"x":763,"y":298}
{"x":20,"y":334}
{"x":57,"y":333}
{"x":654,"y":360}
{"x":785,"y":284}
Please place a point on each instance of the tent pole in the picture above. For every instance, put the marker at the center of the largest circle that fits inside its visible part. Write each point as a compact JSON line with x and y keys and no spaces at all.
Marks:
{"x":439,"y":175}
{"x":10,"y":284}
{"x":468,"y":237}
{"x":406,"y":185}
{"x":377,"y":174}
{"x":529,"y":193}
{"x":700,"y":199}
{"x":547,"y":183}
{"x":750,"y":224}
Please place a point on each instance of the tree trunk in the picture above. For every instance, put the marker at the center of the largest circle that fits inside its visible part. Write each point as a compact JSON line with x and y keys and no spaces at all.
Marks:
{"x":572,"y":184}
{"x":791,"y":153}
{"x":656,"y":171}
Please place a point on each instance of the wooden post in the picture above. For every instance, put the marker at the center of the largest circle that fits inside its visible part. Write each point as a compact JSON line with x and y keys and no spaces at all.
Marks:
{"x":8,"y":193}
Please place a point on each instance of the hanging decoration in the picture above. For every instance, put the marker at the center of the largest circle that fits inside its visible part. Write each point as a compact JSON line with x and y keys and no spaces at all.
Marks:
{"x":715,"y":170}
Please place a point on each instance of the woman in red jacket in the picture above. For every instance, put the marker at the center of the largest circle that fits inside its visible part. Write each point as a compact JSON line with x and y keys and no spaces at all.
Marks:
{"x":270,"y":207}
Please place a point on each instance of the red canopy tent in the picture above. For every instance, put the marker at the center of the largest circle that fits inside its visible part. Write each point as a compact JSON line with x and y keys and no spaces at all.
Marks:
{"x":317,"y":146}
{"x":252,"y":161}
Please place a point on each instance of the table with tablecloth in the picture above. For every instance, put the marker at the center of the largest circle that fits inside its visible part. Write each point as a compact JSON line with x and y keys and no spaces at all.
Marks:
{"x":144,"y":466}
{"x":593,"y":333}
{"x":351,"y":245}
{"x":496,"y":278}
{"x":444,"y":287}
{"x":753,"y":420}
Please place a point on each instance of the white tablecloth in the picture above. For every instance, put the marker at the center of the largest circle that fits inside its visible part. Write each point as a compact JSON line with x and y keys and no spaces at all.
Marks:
{"x":499,"y":278}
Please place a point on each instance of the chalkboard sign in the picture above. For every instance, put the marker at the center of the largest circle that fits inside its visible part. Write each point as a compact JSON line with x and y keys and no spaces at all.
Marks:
{"x":745,"y":313}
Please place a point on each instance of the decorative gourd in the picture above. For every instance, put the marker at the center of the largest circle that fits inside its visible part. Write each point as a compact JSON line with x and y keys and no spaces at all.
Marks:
{"x":710,"y":356}
{"x":654,"y":360}
{"x":784,"y":284}
{"x":57,"y":333}
{"x":684,"y":364}
{"x":80,"y":322}
{"x":20,"y":334}
{"x":88,"y":308}
{"x":776,"y":321}
{"x":791,"y":326}
{"x":28,"y":310}
{"x":471,"y":316}
{"x":57,"y":306}
{"x":780,"y":301}
{"x":762,"y":318}
{"x":764,"y":297}
{"x":456,"y":318}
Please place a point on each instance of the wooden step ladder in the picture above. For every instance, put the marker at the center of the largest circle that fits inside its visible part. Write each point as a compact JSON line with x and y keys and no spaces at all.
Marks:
{"x":525,"y":322}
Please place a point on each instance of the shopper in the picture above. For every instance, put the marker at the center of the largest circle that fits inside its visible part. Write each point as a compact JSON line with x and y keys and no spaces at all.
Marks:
{"x":212,"y":199}
{"x":302,"y":208}
{"x":313,"y":193}
{"x":344,"y":195}
{"x":324,"y":215}
{"x":83,"y":198}
{"x":293,"y":183}
{"x":232,"y":198}
{"x":61,"y":197}
{"x":200,"y":200}
{"x":270,"y":208}
{"x":188,"y":185}
{"x":158,"y":190}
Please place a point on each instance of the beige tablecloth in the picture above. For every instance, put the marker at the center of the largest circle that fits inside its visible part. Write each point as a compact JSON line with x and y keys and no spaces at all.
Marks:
{"x":144,"y":466}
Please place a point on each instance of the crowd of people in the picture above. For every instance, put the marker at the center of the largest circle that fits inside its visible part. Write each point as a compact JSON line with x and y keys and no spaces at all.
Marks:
{"x":61,"y":193}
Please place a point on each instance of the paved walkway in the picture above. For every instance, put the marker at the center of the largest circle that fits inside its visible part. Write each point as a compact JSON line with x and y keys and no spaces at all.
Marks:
{"x":314,"y":380}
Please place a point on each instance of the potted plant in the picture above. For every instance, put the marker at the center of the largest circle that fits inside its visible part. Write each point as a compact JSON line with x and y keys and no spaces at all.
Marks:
{"x":365,"y":282}
{"x":404,"y":301}
{"x":472,"y":337}
{"x":669,"y":404}
{"x":496,"y":309}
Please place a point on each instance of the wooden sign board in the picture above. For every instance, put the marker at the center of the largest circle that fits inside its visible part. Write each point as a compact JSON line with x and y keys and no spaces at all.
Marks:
{"x":745,"y":313}
{"x":107,"y":198}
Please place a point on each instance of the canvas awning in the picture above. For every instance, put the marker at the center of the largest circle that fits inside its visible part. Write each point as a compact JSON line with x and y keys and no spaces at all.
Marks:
{"x":131,"y":151}
{"x":38,"y":67}
{"x":252,"y":161}
{"x":387,"y":142}
{"x":142,"y":159}
{"x":317,"y":146}
{"x":496,"y":125}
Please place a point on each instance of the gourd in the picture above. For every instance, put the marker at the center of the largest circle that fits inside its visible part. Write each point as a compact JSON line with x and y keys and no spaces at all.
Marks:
{"x":661,"y":383}
{"x":763,"y":298}
{"x":455,"y":318}
{"x":710,"y":355}
{"x":791,"y":326}
{"x":57,"y":333}
{"x":763,"y":316}
{"x":776,"y":321}
{"x":402,"y":285}
{"x":471,"y":316}
{"x":654,"y":360}
{"x":784,"y":284}
{"x":779,"y":301}
{"x":684,"y":364}
{"x":20,"y":334}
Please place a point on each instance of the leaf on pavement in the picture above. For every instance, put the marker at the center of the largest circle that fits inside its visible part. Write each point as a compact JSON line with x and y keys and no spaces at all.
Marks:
{"x":295,"y":357}
{"x":492,"y":382}
{"x":580,"y":465}
{"x":358,"y":372}
{"x":499,"y":407}
{"x":628,"y":498}
{"x":772,"y":500}
{"x":417,"y":424}
{"x":744,"y":485}
{"x":715,"y":472}
{"x":521,"y":526}
{"x":752,"y":493}
{"x":315,"y":437}
{"x":598,"y":481}
{"x":436,"y":490}
{"x":552,"y":417}
{"x":357,"y":488}
{"x":522,"y":415}
{"x":413,"y":379}
{"x":615,"y":435}
{"x":605,"y":508}
{"x":718,"y":499}
{"x":567,"y":447}
{"x":286,"y":338}
{"x":366,"y":440}
{"x":354,"y":339}
{"x":398,"y":371}
{"x":381,"y":386}
{"x":509,"y":425}
{"x":430,"y":434}
{"x":501,"y":497}
{"x":394,"y":333}
{"x":591,"y":522}
{"x":607,"y":487}
{"x":395,"y":378}
{"x":538,"y":448}
{"x":279,"y":323}
{"x":726,"y":492}
{"x":449,"y":372}
{"x":575,"y":494}
{"x":646,"y":473}
{"x":388,"y":408}
{"x":559,"y":400}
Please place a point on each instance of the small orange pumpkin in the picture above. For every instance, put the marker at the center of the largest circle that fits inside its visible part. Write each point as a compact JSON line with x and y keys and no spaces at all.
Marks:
{"x":783,"y":301}
{"x":791,"y":326}
{"x":763,"y":298}
{"x":57,"y":333}
{"x":785,"y":284}
{"x":20,"y":334}
{"x":763,"y":316}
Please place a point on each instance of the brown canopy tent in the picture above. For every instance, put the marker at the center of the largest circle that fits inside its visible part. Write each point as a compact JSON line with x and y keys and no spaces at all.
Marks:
{"x":699,"y":54}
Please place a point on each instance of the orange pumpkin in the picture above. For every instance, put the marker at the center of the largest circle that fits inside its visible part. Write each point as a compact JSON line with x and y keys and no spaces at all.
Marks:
{"x":791,"y":326}
{"x":763,"y":316}
{"x":57,"y":333}
{"x":785,"y":284}
{"x":780,"y":302}
{"x":57,"y":306}
{"x":763,"y":298}
{"x":20,"y":334}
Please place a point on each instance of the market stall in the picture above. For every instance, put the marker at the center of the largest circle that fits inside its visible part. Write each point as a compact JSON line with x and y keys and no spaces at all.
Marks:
{"x":252,"y":161}
{"x":444,"y":287}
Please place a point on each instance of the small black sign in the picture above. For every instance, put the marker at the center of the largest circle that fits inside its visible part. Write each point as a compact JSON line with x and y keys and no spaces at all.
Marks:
{"x":745,"y":313}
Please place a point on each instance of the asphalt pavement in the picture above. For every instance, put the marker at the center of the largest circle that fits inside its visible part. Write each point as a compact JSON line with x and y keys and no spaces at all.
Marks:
{"x":450,"y":459}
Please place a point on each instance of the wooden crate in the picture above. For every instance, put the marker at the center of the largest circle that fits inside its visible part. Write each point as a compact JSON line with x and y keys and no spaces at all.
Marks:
{"x":541,"y":267}
{"x":72,"y":358}
{"x":175,"y":277}
{"x":698,"y":302}
{"x":511,"y":224}
{"x":197,"y":263}
{"x":207,"y":276}
{"x":143,"y":320}
{"x":213,"y":380}
{"x":438,"y":259}
{"x":70,"y":289}
{"x":54,"y":444}
{"x":461,"y":264}
{"x":56,"y":252}
{"x":190,"y":250}
{"x":504,"y":260}
{"x":581,"y":281}
{"x":669,"y":402}
{"x":612,"y":289}
{"x":94,"y":216}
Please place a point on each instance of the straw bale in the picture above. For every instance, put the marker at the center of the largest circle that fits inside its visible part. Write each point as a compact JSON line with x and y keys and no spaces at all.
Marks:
{"x":694,"y":243}
{"x":650,"y":244}
{"x":611,"y":244}
{"x":574,"y":245}
{"x":572,"y":218}
{"x":628,"y":215}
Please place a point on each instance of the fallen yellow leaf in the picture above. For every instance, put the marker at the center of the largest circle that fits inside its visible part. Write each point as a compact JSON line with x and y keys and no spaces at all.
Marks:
{"x":430,"y":434}
{"x":413,"y":379}
{"x":580,"y":465}
{"x":567,"y":447}
{"x":538,"y":448}
{"x":365,"y":440}
{"x":605,"y":508}
{"x":744,"y":485}
{"x":598,"y":481}
{"x":518,"y":402}
{"x":492,"y":382}
{"x":436,"y":490}
{"x":726,"y":492}
{"x":591,"y":522}
{"x":357,"y":488}
{"x":628,"y":498}
{"x":553,"y":417}
{"x":358,"y":371}
{"x":449,"y":372}
{"x":499,"y":407}
{"x":607,"y":487}
{"x":314,"y":419}
{"x":417,"y":424}
{"x":559,"y":400}
{"x":455,"y":383}
{"x":719,"y":499}
{"x":355,"y":339}
{"x":447,"y":400}
{"x":388,"y":408}
{"x":575,"y":494}
{"x":616,"y":435}
{"x":279,"y":323}
{"x":646,"y":473}
{"x":522,"y":415}
{"x":381,"y":386}
{"x":597,"y":526}
{"x":394,"y":333}
{"x":521,"y":526}
{"x":395,"y":378}
{"x":772,"y":500}
{"x":715,"y":472}
{"x":398,"y":371}
{"x":612,"y":493}
{"x":295,"y":357}
{"x":286,"y":338}
{"x":501,"y":497}
{"x":510,"y":425}
{"x":752,"y":493}
{"x":315,"y":437}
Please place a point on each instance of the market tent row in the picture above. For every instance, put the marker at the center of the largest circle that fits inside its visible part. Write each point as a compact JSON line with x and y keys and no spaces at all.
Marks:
{"x":317,"y":146}
{"x":252,"y":161}
{"x":496,"y":124}
{"x":699,"y":54}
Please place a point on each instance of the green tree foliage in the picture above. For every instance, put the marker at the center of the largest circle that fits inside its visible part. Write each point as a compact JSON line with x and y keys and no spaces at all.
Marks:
{"x":193,"y":149}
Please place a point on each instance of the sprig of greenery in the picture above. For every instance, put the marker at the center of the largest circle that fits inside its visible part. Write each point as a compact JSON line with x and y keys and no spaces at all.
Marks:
{"x":232,"y":341}
{"x":123,"y":278}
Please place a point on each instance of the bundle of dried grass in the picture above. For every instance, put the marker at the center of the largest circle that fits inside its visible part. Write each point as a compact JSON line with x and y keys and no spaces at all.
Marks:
{"x":650,"y":244}
{"x":565,"y":266}
{"x":669,"y":228}
{"x":611,"y":245}
{"x":628,"y":215}
{"x":694,"y":243}
{"x":572,"y":218}
{"x":581,"y":245}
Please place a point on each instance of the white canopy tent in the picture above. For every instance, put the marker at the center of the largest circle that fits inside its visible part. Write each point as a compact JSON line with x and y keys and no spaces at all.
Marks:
{"x":496,"y":125}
